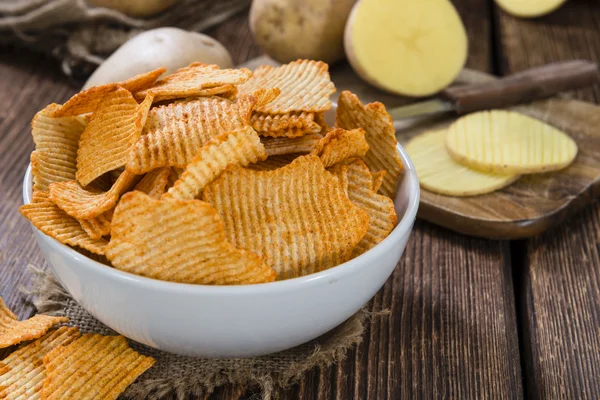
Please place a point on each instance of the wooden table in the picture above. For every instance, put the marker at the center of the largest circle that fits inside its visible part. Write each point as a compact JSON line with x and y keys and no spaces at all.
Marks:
{"x":468,"y":317}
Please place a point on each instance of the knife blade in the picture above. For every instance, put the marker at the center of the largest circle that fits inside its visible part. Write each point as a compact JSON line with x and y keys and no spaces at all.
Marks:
{"x":522,"y":87}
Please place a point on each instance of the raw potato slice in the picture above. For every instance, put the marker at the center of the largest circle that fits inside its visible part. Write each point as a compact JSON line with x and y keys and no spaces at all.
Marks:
{"x":529,"y":8}
{"x":194,"y":80}
{"x":92,"y":367}
{"x":506,"y":142}
{"x":178,"y":131}
{"x":340,"y":144}
{"x":114,"y":128}
{"x":56,"y":142}
{"x":179,"y":241}
{"x":407,"y":47}
{"x":22,"y":372}
{"x":98,"y":226}
{"x":305,"y":86}
{"x":13,"y":331}
{"x":284,"y":145}
{"x":358,"y":182}
{"x":83,"y":203}
{"x":379,"y":133}
{"x":297,"y":217}
{"x":241,"y":147}
{"x":438,"y":173}
{"x":154,"y":183}
{"x":88,"y":100}
{"x":54,"y":222}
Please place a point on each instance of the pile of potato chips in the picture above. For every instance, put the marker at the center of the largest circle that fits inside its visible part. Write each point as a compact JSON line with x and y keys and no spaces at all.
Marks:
{"x":486,"y":151}
{"x":61,"y":363}
{"x":216,"y":176}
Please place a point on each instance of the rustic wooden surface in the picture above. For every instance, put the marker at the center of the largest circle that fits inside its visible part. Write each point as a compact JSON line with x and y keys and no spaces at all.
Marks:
{"x":455,"y":328}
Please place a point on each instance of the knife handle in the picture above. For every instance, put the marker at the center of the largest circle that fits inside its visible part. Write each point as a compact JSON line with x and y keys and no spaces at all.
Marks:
{"x":523,"y":87}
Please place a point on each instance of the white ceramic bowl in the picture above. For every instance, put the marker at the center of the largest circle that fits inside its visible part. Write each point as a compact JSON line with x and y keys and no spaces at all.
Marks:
{"x":231,"y":321}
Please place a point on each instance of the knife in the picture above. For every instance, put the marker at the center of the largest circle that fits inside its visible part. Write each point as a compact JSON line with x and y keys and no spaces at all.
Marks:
{"x":522,"y":87}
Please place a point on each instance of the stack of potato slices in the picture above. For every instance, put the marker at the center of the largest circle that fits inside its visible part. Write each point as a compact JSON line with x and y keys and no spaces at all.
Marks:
{"x":216,"y":176}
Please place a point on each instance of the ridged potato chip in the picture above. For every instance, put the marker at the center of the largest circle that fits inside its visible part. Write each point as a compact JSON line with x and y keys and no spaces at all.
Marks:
{"x":56,"y":142}
{"x":179,"y":130}
{"x":320,"y":120}
{"x":113,"y":130}
{"x":98,"y":226}
{"x":305,"y":86}
{"x":358,"y":181}
{"x":194,"y":80}
{"x":298,"y":217}
{"x":154,"y":183}
{"x":82,"y":203}
{"x":265,"y":96}
{"x":274,"y":162}
{"x":284,"y":145}
{"x":378,"y":180}
{"x":265,"y":123}
{"x":340,"y":144}
{"x":88,"y":100}
{"x":241,"y":147}
{"x":22,"y":373}
{"x":379,"y":133}
{"x":179,"y":241}
{"x":92,"y":367}
{"x":506,"y":142}
{"x":13,"y":331}
{"x":438,"y":173}
{"x":54,"y":222}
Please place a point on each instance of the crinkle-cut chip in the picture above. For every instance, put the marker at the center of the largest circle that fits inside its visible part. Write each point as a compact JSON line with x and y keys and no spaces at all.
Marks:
{"x":507,"y":142}
{"x":180,"y":130}
{"x":98,"y":226}
{"x":54,"y":222}
{"x":154,"y":183}
{"x":82,"y":203}
{"x":290,"y":133}
{"x":320,"y":120}
{"x":298,"y":217}
{"x":241,"y":147}
{"x":113,"y":130}
{"x":382,"y":214}
{"x":13,"y":331}
{"x":194,"y":80}
{"x":265,"y":96}
{"x":274,"y":162}
{"x":56,"y":142}
{"x":340,"y":144}
{"x":174,"y":176}
{"x":179,"y":241}
{"x":305,"y":86}
{"x":88,"y":100}
{"x":284,"y":145}
{"x":22,"y":373}
{"x":92,"y":367}
{"x":439,"y":173}
{"x":280,"y":122}
{"x":378,"y":180}
{"x":379,"y":133}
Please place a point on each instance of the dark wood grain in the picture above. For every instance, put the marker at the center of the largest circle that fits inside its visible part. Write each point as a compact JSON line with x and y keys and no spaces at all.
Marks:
{"x":559,"y":280}
{"x":444,"y":325}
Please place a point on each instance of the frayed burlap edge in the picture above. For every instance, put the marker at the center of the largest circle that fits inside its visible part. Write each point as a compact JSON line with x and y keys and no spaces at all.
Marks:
{"x":179,"y":376}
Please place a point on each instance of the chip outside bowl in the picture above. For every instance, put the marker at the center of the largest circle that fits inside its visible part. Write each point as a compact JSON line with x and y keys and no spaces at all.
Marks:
{"x":231,"y":321}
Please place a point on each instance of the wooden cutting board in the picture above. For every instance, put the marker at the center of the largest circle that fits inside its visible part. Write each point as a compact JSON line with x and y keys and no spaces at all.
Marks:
{"x":528,"y":207}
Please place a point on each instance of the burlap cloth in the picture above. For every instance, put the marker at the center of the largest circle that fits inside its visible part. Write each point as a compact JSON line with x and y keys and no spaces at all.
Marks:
{"x":82,"y":36}
{"x":179,"y":376}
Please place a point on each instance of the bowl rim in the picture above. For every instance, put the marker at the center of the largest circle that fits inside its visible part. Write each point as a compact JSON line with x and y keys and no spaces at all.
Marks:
{"x":329,"y":275}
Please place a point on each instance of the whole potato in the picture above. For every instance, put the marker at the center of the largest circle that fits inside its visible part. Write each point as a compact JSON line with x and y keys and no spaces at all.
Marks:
{"x":171,"y":48}
{"x":291,"y":29}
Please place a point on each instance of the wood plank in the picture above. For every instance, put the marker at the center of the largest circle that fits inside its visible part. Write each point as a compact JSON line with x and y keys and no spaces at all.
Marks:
{"x":558,"y":284}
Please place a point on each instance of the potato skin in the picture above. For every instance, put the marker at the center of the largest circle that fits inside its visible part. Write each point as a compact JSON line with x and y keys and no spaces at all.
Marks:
{"x":135,"y":8}
{"x":309,"y":29}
